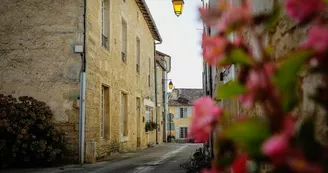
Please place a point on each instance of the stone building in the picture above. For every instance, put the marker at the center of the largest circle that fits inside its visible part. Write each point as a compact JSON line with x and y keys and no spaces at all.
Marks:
{"x":285,"y":36}
{"x":44,"y":51}
{"x":180,"y":111}
{"x":163,"y":62}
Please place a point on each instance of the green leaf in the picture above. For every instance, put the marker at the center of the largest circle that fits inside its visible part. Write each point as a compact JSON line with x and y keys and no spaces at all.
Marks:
{"x":249,"y":134}
{"x":287,"y":75}
{"x":273,"y":18}
{"x":239,"y":56}
{"x":229,"y":89}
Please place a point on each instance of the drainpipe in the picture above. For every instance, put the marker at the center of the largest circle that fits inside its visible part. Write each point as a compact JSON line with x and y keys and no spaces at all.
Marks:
{"x":82,"y":90}
{"x":155,"y":71}
{"x":167,"y":70}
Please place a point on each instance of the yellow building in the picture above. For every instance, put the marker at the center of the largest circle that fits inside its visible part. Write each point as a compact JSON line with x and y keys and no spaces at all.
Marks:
{"x":45,"y":54}
{"x":180,"y":111}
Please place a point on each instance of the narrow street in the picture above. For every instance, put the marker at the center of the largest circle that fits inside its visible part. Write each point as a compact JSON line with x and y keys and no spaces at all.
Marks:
{"x":165,"y":158}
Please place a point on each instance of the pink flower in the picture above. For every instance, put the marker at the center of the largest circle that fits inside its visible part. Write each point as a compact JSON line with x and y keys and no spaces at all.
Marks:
{"x":247,"y":100}
{"x":234,"y":15}
{"x":211,"y":16}
{"x":258,"y":84}
{"x":317,"y":39}
{"x":301,"y":9}
{"x":276,"y":147}
{"x":213,"y":48}
{"x":239,"y":164}
{"x":205,"y":115}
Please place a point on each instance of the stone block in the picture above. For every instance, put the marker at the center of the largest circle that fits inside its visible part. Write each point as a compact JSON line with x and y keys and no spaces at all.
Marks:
{"x":90,"y":152}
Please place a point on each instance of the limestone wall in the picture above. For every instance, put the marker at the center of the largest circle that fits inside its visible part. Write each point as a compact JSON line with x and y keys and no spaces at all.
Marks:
{"x":37,"y":57}
{"x":105,"y":67}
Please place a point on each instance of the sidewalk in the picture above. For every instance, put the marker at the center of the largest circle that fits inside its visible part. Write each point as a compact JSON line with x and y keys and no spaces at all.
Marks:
{"x":85,"y":167}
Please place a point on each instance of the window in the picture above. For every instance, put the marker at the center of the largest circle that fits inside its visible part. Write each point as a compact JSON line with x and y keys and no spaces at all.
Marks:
{"x":183,"y":132}
{"x":149,"y":114}
{"x":124,"y":115}
{"x":183,"y":112}
{"x":105,"y":23}
{"x":124,"y":41}
{"x":170,"y":124}
{"x":149,"y":73}
{"x":105,"y":121}
{"x":138,"y":55}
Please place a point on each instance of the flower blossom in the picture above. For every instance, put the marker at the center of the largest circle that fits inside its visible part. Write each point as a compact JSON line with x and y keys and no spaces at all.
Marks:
{"x":234,"y":15}
{"x":205,"y":115}
{"x":213,"y":48}
{"x":277,"y":146}
{"x":239,"y":165}
{"x":301,"y":9}
{"x":211,"y":16}
{"x":318,"y":42}
{"x":257,"y":83}
{"x":317,"y":39}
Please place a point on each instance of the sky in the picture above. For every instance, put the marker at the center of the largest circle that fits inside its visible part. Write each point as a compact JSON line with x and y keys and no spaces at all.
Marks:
{"x":181,"y":40}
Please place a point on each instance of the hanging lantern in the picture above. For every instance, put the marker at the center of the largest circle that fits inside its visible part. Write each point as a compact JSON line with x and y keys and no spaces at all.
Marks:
{"x":178,"y":7}
{"x":170,"y":85}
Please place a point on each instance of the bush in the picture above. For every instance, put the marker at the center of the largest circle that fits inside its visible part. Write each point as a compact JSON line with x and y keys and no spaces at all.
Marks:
{"x":150,"y":126}
{"x":198,"y":161}
{"x":28,"y":136}
{"x":170,"y":138}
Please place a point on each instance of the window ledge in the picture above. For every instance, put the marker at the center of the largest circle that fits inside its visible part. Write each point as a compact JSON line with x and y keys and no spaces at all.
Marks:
{"x":124,"y":138}
{"x":124,"y":63}
{"x":105,"y":50}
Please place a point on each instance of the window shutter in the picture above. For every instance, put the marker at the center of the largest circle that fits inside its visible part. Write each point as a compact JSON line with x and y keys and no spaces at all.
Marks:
{"x":189,"y":112}
{"x":177,"y":113}
{"x":177,"y":133}
{"x":185,"y":112}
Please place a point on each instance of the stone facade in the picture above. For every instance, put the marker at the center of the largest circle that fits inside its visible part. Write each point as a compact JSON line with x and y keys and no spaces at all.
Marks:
{"x":37,"y":57}
{"x":163,"y":68}
{"x":37,"y":41}
{"x":106,"y":68}
{"x":283,"y":38}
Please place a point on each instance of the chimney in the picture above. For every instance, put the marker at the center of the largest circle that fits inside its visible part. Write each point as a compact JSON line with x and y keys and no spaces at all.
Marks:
{"x":175,"y":94}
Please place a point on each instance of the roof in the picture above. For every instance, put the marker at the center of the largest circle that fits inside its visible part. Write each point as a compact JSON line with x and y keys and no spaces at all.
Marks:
{"x":162,"y":54}
{"x":186,"y":96}
{"x":149,"y":19}
{"x":161,"y":62}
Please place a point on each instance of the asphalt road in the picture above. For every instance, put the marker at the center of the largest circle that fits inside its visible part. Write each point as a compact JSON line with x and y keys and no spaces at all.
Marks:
{"x":165,"y":158}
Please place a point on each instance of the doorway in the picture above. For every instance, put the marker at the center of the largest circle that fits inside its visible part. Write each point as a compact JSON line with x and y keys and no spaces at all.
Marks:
{"x":138,"y":121}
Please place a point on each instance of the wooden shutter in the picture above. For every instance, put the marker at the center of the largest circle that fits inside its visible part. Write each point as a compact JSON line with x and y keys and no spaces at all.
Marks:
{"x":177,"y":133}
{"x":177,"y":113}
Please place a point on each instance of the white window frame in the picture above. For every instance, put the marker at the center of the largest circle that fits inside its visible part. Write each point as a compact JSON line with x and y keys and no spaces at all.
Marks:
{"x":124,"y":40}
{"x":184,"y":112}
{"x":183,"y":132}
{"x":138,"y":54}
{"x":102,"y":121}
{"x":123,"y":114}
{"x":105,"y":25}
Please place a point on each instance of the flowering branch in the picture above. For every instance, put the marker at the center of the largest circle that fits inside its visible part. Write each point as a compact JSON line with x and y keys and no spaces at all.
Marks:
{"x":274,"y":138}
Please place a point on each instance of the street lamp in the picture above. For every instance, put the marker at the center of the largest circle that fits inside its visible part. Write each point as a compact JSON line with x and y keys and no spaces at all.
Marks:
{"x":170,"y":85}
{"x":177,"y":7}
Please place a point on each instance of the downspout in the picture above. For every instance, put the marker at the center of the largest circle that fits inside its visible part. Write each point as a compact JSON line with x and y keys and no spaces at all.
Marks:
{"x":167,"y":70}
{"x":155,"y":71}
{"x":82,"y":90}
